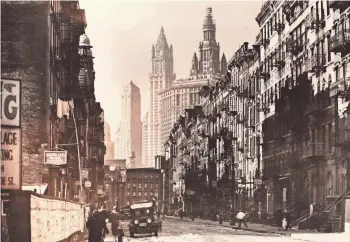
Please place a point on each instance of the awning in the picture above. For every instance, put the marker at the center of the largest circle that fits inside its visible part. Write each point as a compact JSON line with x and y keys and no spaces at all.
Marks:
{"x":40,"y":189}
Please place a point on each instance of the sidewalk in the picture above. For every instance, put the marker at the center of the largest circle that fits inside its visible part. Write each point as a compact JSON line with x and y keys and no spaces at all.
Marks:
{"x":259,"y":228}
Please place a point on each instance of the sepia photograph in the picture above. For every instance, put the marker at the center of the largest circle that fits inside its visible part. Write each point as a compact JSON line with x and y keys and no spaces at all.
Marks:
{"x":175,"y":120}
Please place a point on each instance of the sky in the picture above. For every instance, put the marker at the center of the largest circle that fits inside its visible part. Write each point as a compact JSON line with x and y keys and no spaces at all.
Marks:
{"x":122,"y":34}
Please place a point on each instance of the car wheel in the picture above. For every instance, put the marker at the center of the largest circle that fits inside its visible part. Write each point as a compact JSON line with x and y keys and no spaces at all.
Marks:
{"x":132,"y":235}
{"x":156,"y":233}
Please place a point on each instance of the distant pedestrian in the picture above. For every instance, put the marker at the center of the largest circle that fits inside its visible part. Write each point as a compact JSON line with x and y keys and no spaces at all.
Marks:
{"x":120,"y":234}
{"x":4,"y":234}
{"x":241,"y":218}
{"x":286,"y":220}
{"x":114,"y":222}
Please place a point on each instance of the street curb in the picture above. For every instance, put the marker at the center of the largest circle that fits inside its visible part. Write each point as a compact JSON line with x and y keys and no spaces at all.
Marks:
{"x":229,"y":226}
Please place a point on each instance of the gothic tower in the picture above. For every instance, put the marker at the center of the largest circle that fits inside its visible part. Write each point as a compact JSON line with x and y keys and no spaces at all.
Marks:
{"x":194,"y":66}
{"x":223,"y":64}
{"x":161,"y":77}
{"x":209,"y":49}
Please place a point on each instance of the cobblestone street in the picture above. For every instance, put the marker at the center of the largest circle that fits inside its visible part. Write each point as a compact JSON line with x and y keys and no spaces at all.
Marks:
{"x":177,"y":230}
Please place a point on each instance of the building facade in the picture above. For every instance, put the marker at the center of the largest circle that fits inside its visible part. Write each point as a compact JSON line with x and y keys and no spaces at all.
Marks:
{"x":161,"y":77}
{"x":129,"y":141}
{"x":143,"y":184}
{"x":51,"y":56}
{"x":274,"y":130}
{"x":114,"y":183}
{"x":108,"y":143}
{"x":145,"y":162}
{"x":184,"y":93}
{"x":304,"y":62}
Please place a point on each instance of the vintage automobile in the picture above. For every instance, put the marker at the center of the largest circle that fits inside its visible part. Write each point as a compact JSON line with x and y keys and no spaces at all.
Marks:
{"x":125,"y":213}
{"x":143,"y":219}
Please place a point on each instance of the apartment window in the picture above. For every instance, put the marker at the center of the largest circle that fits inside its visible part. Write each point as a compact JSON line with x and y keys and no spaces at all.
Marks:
{"x":133,"y":185}
{"x":151,"y":186}
{"x":140,"y":186}
{"x":336,"y":73}
{"x":328,"y":47}
{"x":134,"y":194}
{"x":151,"y":193}
{"x":145,"y":185}
{"x":156,"y":185}
{"x":330,"y":137}
{"x":146,"y":194}
{"x":128,"y":186}
{"x":140,"y":194}
{"x":128,"y":194}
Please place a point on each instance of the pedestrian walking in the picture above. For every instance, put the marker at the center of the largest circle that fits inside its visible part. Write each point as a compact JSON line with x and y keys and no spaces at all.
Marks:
{"x":286,"y":220}
{"x":120,"y":234}
{"x":241,"y":218}
{"x":114,"y":217}
{"x":102,"y":221}
{"x":94,"y":226}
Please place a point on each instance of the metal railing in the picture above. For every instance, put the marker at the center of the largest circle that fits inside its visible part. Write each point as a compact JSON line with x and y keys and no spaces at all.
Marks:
{"x":315,"y":150}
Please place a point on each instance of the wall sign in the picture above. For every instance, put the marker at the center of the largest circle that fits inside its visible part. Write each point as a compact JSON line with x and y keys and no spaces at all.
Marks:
{"x":55,"y":157}
{"x":11,"y":158}
{"x":10,"y":103}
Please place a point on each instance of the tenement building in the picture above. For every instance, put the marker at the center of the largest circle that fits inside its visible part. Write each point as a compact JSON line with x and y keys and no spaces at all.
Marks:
{"x":161,"y":77}
{"x":273,"y":133}
{"x":51,"y":56}
{"x":303,"y":79}
{"x":143,"y":184}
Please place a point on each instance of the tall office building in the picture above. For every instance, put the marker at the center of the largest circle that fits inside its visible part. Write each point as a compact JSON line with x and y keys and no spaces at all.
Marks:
{"x":205,"y":70}
{"x":145,"y":141}
{"x":161,"y":77}
{"x":108,"y":143}
{"x":129,"y":135}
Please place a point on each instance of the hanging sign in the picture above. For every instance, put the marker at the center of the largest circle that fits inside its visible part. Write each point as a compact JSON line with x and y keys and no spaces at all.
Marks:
{"x":55,"y":157}
{"x":85,"y":173}
{"x":11,"y":158}
{"x":87,"y":184}
{"x":10,"y":103}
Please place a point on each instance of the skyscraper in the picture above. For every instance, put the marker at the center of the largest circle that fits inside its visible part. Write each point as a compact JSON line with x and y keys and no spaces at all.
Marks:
{"x":205,"y":70}
{"x":161,"y":77}
{"x":129,"y":136}
{"x":145,"y":141}
{"x":108,"y":143}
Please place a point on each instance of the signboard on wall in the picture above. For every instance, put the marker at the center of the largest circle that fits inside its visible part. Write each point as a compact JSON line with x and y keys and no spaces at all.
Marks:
{"x":87,"y":184}
{"x":54,"y":220}
{"x":11,"y":158}
{"x":10,"y":103}
{"x":11,"y":141}
{"x":55,"y":157}
{"x":85,"y":173}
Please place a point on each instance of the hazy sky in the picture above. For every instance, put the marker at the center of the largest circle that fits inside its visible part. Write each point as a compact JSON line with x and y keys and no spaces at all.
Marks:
{"x":122,"y":34}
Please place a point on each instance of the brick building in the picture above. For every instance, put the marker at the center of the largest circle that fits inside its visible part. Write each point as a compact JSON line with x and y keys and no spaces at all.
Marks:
{"x":40,"y":43}
{"x":114,"y":183}
{"x":144,"y":184}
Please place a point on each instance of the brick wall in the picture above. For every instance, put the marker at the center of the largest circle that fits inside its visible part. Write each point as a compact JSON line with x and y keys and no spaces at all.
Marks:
{"x":25,"y":56}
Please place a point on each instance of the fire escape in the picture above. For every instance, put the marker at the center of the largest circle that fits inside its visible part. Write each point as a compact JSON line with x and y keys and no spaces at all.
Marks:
{"x":336,"y":4}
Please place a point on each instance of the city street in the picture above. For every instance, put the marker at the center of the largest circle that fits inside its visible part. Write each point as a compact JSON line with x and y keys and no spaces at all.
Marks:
{"x":175,"y":230}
